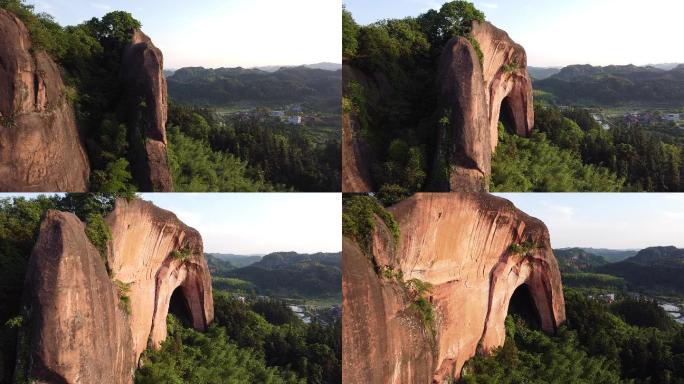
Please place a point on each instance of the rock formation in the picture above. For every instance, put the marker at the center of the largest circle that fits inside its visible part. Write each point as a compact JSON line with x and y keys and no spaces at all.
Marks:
{"x":468,"y":246}
{"x":508,"y":86}
{"x":474,"y":96}
{"x":40,"y":147}
{"x":80,"y":328}
{"x":477,"y":96}
{"x":143,"y":74}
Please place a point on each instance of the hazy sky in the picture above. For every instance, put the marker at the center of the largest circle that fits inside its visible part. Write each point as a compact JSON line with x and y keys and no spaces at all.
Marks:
{"x":256,"y":223}
{"x":224,"y":33}
{"x":558,"y":33}
{"x":617,"y":221}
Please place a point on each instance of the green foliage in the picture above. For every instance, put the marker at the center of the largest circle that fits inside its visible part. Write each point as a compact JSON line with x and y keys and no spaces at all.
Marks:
{"x":195,"y":167}
{"x":209,"y":154}
{"x":15,"y":322}
{"x":524,"y":249}
{"x":242,"y":346}
{"x":358,"y":220}
{"x":123,"y":290}
{"x":417,"y":290}
{"x":597,"y":280}
{"x":535,"y":165}
{"x":292,"y":275}
{"x":99,"y":234}
{"x":188,"y":356}
{"x":350,"y":32}
{"x":510,"y":67}
{"x":530,"y":356}
{"x":182,"y":254}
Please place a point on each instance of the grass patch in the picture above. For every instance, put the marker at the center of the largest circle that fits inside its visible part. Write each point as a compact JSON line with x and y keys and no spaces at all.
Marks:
{"x":123,"y":290}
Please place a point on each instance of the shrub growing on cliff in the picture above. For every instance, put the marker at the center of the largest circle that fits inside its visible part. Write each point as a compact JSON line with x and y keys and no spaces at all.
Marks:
{"x":99,"y":234}
{"x":358,"y":220}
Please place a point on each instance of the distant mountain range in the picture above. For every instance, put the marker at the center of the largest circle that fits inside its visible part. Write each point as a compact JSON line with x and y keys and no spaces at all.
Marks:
{"x":659,"y":269}
{"x":283,"y":274}
{"x":613,"y":85}
{"x":572,"y":260}
{"x":237,"y":261}
{"x":324,"y":66}
{"x":318,"y":88}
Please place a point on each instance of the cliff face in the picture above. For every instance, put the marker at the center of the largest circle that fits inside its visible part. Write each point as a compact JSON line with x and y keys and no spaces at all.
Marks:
{"x":80,"y":330}
{"x":143,"y":74}
{"x":40,"y":148}
{"x":508,"y":85}
{"x":464,"y":245}
{"x":143,"y":238}
{"x":478,"y":96}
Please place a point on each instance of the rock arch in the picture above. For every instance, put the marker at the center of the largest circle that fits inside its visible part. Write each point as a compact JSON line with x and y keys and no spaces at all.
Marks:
{"x":80,"y":329}
{"x":464,"y":245}
{"x":477,"y":92}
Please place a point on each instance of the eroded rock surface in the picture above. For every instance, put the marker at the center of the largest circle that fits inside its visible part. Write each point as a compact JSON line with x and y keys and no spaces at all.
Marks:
{"x":40,"y":147}
{"x":80,"y":330}
{"x":462,"y":245}
{"x":508,"y":85}
{"x":143,"y":73}
{"x":144,"y":237}
{"x":477,"y":96}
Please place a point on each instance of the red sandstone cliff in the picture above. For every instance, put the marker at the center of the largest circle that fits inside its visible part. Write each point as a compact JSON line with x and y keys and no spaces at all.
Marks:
{"x":80,"y":330}
{"x":40,"y":148}
{"x":479,"y":95}
{"x":476,"y":95}
{"x":462,"y":245}
{"x":143,"y":74}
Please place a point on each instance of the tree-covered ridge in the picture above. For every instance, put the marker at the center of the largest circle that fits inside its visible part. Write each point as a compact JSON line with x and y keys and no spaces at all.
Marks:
{"x":208,"y":153}
{"x":656,"y":269}
{"x":615,"y":85}
{"x":318,"y":88}
{"x":631,"y":341}
{"x":249,"y":342}
{"x":291,"y":275}
{"x":392,"y":91}
{"x":577,"y":260}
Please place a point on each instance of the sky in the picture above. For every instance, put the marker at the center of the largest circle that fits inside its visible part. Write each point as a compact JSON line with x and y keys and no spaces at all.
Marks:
{"x":224,"y":33}
{"x":607,"y":220}
{"x":559,"y":33}
{"x":256,"y":223}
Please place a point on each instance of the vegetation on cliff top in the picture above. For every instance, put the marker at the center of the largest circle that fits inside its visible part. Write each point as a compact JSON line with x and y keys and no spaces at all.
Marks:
{"x":358,"y":220}
{"x":400,"y":126}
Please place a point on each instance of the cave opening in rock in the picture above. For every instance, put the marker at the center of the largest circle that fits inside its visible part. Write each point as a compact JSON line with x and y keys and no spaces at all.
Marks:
{"x":178,"y":306}
{"x":522,"y":305}
{"x":506,"y":116}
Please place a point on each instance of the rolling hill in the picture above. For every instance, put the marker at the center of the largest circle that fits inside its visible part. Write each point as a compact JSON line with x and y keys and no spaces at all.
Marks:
{"x":317,"y":88}
{"x":286,"y":274}
{"x":577,"y":260}
{"x":655,"y":269}
{"x":615,"y":85}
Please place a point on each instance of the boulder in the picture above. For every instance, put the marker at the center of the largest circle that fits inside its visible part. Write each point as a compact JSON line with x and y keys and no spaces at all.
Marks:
{"x":143,"y":74}
{"x":81,"y":328}
{"x":40,"y":147}
{"x":468,"y":247}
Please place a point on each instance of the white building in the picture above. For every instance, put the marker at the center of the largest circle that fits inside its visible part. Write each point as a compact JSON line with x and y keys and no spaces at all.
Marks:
{"x":671,"y":117}
{"x":295,"y":120}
